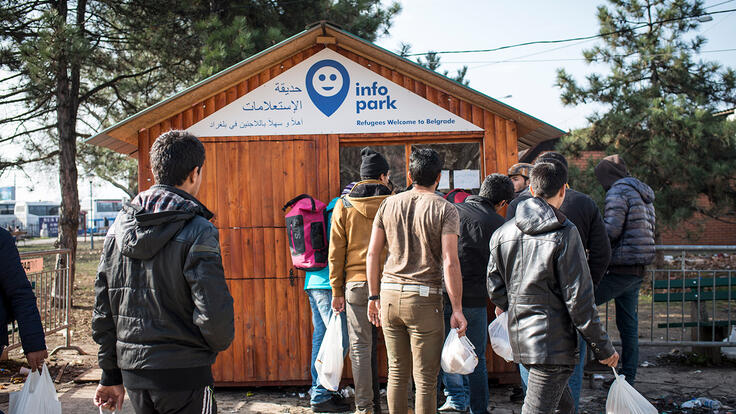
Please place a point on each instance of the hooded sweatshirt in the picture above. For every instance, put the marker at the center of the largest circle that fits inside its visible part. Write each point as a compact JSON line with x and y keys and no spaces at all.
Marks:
{"x":352,"y":223}
{"x":629,"y":217}
{"x":162,"y":308}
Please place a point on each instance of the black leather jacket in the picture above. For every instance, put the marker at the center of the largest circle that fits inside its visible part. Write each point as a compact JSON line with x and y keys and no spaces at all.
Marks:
{"x":538,"y":273}
{"x":161,"y":301}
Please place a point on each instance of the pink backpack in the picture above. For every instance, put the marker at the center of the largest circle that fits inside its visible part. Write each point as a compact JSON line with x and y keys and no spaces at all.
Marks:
{"x":307,"y":231}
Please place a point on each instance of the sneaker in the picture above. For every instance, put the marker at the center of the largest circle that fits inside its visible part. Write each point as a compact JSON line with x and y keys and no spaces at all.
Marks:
{"x":365,"y":411}
{"x":332,"y":405}
{"x":447,"y":407}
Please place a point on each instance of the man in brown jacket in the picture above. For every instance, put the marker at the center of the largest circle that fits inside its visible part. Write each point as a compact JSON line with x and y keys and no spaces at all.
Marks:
{"x":352,"y":220}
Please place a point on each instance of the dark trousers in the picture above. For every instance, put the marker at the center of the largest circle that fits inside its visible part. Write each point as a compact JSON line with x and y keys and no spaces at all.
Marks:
{"x":547,"y":390}
{"x":196,"y":401}
{"x":624,"y":289}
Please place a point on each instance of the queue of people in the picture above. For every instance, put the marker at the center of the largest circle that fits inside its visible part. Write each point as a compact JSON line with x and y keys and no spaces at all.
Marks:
{"x":424,"y":264}
{"x":409,"y":262}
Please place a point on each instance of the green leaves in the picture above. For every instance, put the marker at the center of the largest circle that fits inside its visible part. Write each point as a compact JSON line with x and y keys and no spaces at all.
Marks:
{"x":660,"y":99}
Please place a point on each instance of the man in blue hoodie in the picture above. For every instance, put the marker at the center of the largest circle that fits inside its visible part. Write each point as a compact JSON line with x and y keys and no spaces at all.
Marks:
{"x":162,"y":308}
{"x":630,"y":222}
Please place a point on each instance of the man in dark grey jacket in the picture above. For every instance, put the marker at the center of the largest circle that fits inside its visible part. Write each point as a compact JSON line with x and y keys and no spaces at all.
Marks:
{"x":162,"y":308}
{"x":630,"y":221}
{"x":538,"y":273}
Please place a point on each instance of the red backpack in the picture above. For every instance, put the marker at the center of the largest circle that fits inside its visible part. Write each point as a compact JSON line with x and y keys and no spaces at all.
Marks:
{"x":457,"y":196}
{"x":307,"y":231}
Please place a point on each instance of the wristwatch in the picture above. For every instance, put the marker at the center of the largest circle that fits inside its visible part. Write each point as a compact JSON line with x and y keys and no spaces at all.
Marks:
{"x":374,"y":297}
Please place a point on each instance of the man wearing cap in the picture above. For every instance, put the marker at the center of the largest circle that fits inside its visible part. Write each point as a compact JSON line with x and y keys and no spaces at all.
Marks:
{"x":519,"y":175}
{"x":350,"y":234}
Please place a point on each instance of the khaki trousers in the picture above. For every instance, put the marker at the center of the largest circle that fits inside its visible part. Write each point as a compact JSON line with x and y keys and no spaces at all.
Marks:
{"x":414,"y":330}
{"x":363,"y":337}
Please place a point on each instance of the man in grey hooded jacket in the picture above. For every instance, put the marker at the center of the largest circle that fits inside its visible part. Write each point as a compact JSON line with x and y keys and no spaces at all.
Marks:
{"x":630,"y":220}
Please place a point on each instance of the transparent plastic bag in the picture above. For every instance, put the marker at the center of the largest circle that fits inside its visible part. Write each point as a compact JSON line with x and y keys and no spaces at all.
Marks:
{"x":331,"y":358}
{"x":624,"y":399}
{"x":498,"y":334}
{"x":37,"y":396}
{"x":458,"y":354}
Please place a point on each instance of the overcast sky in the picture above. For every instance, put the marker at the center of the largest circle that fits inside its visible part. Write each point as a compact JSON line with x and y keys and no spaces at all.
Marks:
{"x":522,"y":77}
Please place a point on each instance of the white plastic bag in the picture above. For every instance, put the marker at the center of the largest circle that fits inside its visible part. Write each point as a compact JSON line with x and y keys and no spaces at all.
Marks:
{"x":498,"y":334}
{"x":458,"y":354}
{"x":37,"y":396}
{"x":624,"y":399}
{"x":331,"y":358}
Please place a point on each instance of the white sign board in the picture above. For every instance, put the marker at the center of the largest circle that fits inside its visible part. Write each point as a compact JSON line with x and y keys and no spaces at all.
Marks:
{"x":328,"y":93}
{"x":467,"y":179}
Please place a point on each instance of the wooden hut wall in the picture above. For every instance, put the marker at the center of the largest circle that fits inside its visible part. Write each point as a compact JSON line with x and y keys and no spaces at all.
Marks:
{"x":246,"y":181}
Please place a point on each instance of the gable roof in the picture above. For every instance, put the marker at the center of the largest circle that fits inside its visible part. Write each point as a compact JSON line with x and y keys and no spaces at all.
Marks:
{"x":122,"y":137}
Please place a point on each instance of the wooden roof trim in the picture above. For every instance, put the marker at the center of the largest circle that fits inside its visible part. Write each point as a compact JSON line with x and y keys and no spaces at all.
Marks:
{"x":127,"y":129}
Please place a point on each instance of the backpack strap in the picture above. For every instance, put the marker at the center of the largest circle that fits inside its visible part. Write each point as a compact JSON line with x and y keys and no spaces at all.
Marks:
{"x":345,"y":202}
{"x":296,"y":199}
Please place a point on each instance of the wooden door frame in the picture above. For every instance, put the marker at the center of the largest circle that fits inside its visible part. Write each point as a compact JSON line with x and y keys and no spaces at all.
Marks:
{"x":407,"y":139}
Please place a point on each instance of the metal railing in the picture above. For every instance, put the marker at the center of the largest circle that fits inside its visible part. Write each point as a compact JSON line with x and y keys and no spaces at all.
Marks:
{"x":50,"y":281}
{"x":692,"y":294}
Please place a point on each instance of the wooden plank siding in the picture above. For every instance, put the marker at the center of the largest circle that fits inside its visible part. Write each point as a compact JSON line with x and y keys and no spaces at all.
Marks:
{"x":246,"y":181}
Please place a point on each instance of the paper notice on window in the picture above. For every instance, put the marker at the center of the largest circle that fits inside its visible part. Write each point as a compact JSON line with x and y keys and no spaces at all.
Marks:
{"x":444,"y":179}
{"x":467,"y":179}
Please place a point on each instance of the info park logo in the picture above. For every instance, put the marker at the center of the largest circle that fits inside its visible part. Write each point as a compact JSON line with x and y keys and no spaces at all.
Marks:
{"x":328,"y":84}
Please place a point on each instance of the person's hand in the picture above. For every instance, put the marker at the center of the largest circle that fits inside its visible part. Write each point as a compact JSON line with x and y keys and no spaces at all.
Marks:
{"x":611,"y":361}
{"x":457,"y":321}
{"x":338,"y":303}
{"x":499,"y":311}
{"x":374,"y":312}
{"x":36,"y":359}
{"x":110,"y":397}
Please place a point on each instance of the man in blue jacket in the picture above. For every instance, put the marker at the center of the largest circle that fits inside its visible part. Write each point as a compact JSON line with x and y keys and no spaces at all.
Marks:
{"x":19,"y":303}
{"x":630,"y":222}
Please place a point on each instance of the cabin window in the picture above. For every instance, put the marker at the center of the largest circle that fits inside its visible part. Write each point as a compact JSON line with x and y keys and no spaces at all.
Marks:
{"x":460,"y":165}
{"x":350,"y":163}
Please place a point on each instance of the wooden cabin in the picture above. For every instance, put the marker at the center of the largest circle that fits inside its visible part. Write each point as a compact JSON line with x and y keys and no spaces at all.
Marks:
{"x":292,"y":120}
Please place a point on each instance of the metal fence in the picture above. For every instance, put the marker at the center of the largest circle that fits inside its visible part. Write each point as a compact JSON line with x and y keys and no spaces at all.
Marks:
{"x":691,"y":295}
{"x":48,"y":272}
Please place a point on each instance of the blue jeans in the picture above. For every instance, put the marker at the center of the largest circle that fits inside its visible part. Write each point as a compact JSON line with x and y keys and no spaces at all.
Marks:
{"x":624,"y":289}
{"x":576,"y":380}
{"x":471,"y":390}
{"x":320,"y":300}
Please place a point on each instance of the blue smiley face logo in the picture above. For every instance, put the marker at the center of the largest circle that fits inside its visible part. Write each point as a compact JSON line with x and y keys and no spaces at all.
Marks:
{"x":327,"y":85}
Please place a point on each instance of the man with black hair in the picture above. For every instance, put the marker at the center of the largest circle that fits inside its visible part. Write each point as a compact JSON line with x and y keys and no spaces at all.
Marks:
{"x":162,"y":308}
{"x":421,"y":232}
{"x":479,"y":218}
{"x":538,"y":273}
{"x":350,"y":234}
{"x":584,"y":214}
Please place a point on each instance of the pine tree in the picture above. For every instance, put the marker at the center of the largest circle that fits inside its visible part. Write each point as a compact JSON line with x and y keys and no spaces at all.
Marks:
{"x":659,"y":102}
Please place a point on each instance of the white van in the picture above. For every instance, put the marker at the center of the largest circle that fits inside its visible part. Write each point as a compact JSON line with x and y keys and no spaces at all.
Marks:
{"x":29,"y":213}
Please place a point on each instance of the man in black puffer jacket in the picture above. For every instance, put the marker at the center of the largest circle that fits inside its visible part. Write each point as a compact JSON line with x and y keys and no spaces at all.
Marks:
{"x":537,"y":272}
{"x":162,"y":308}
{"x":630,"y":221}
